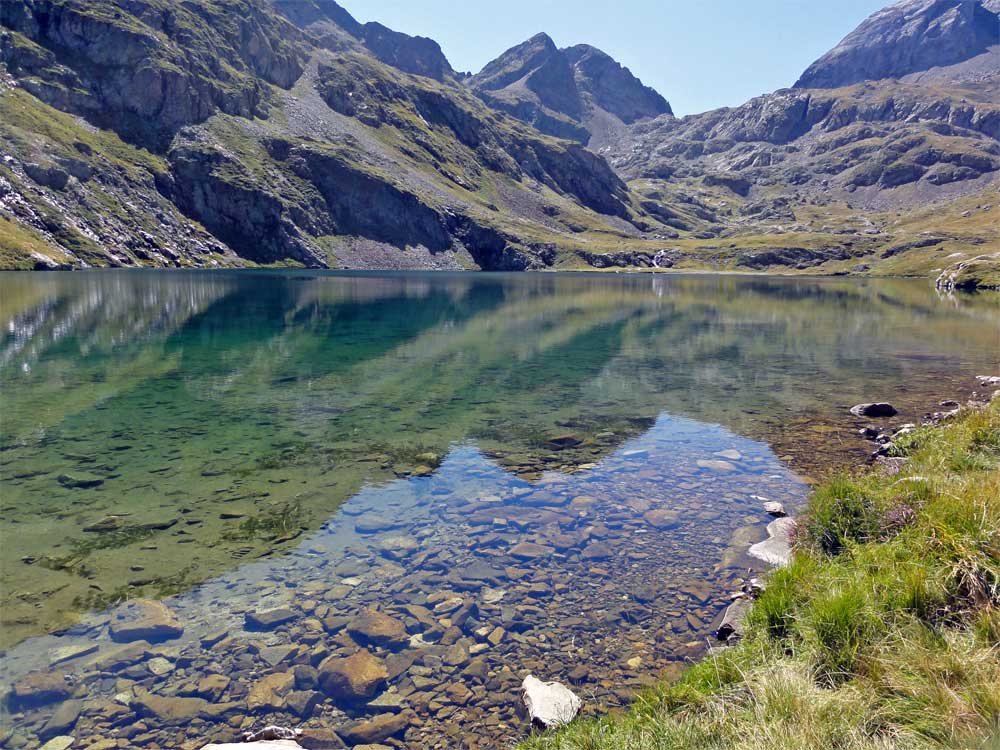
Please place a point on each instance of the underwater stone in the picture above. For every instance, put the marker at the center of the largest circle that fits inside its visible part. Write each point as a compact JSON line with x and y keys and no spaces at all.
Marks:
{"x":268,"y":619}
{"x":880,"y":409}
{"x":144,"y":620}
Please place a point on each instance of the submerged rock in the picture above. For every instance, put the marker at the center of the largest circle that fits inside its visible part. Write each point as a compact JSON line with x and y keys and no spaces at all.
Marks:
{"x":108,"y":523}
{"x":879,"y":409}
{"x":354,"y":679}
{"x":530,"y":551}
{"x":732,"y":455}
{"x":268,"y":619}
{"x":375,"y":628}
{"x":80,"y":481}
{"x":68,"y":653}
{"x":716,"y":465}
{"x":38,"y":689}
{"x":144,"y":620}
{"x":375,"y":729}
{"x":549,"y":704}
{"x":63,"y":720}
{"x":270,"y":691}
{"x":661,"y":518}
{"x":168,"y":709}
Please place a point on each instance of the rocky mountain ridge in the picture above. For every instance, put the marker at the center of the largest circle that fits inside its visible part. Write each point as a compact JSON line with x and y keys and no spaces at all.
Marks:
{"x":285,"y":131}
{"x":272,"y":142}
{"x":571,"y":93}
{"x":811,"y":176}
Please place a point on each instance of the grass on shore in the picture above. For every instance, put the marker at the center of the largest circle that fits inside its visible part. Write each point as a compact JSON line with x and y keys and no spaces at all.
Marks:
{"x":883,"y":633}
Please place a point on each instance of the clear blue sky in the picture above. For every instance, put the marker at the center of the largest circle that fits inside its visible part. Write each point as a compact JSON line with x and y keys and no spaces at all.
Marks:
{"x":700,"y":54}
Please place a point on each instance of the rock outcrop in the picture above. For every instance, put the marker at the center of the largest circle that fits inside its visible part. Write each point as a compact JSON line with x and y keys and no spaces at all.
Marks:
{"x":320,"y":142}
{"x":909,"y":37}
{"x":333,"y":27}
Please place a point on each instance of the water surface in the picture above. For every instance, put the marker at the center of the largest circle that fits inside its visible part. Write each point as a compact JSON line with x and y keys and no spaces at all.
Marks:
{"x":243,"y":441}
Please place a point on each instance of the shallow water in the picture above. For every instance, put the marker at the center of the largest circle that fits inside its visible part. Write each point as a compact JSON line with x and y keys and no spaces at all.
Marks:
{"x":225,"y":435}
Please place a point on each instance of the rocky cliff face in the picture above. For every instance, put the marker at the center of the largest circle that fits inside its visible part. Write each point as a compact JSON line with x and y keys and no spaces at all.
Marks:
{"x":838,"y":140}
{"x":225,"y":131}
{"x":910,"y":37}
{"x":331,"y":26}
{"x":568,"y":93}
{"x":148,"y":71}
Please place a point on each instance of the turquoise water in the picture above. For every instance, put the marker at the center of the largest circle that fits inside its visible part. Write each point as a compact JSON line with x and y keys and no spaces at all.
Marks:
{"x":243,"y":441}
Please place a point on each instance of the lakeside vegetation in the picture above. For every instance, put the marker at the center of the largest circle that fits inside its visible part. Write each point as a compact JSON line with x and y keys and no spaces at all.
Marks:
{"x":884,"y":632}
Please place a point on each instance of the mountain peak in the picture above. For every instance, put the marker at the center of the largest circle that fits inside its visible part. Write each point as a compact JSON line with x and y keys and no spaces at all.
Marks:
{"x":910,"y":37}
{"x":562,"y":91}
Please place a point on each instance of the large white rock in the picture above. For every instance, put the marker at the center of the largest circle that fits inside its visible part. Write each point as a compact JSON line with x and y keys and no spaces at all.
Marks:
{"x":263,"y":745}
{"x":777,"y":548}
{"x":549,"y":704}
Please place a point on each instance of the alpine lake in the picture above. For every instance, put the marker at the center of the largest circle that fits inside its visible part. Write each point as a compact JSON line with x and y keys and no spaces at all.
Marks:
{"x":465,"y":478}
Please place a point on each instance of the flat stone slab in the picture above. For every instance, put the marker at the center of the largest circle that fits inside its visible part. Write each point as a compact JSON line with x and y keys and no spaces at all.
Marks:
{"x":715,"y":465}
{"x":268,"y":619}
{"x":68,"y":653}
{"x":144,"y":620}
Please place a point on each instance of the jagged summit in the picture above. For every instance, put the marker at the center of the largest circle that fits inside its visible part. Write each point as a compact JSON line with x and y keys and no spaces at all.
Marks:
{"x":577,"y":92}
{"x":911,"y":37}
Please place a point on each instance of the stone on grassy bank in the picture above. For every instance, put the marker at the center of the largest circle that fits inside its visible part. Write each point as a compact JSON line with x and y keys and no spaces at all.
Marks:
{"x":549,"y":704}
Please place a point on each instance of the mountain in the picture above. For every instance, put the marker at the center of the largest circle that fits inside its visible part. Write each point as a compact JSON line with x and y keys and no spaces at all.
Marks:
{"x":903,"y":114}
{"x":232,"y":131}
{"x":578,"y":92}
{"x":911,"y":37}
{"x":243,"y":132}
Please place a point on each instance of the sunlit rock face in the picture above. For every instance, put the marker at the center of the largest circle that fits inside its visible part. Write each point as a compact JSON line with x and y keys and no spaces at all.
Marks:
{"x":910,"y":37}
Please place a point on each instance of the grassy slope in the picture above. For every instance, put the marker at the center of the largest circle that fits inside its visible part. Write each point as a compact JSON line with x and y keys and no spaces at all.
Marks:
{"x":883,"y":633}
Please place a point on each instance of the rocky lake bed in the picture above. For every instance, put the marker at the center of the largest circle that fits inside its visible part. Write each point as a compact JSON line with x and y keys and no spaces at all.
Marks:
{"x":413,"y":615}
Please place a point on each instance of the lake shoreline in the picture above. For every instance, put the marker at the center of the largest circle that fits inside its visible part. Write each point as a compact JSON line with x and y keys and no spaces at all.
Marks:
{"x":740,"y":686}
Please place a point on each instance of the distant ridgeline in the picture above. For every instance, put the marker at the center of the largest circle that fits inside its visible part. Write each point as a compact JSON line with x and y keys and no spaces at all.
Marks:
{"x":243,"y":132}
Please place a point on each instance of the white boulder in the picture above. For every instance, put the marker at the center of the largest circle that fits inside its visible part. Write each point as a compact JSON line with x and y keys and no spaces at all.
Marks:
{"x":549,"y":704}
